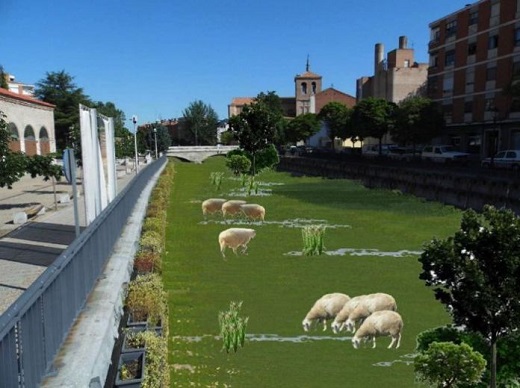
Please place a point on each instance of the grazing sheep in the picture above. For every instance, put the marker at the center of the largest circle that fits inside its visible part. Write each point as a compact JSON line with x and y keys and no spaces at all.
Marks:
{"x":325,"y":308}
{"x":232,"y":207}
{"x":371,"y":303}
{"x":212,"y":205}
{"x":235,"y":238}
{"x":253,"y":211}
{"x":379,"y":324}
{"x":339,"y":321}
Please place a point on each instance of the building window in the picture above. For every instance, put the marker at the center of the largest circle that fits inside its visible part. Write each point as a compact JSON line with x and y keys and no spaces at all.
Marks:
{"x":491,"y":74}
{"x":434,"y":60}
{"x":473,"y":17}
{"x":435,"y":35}
{"x":515,"y":105}
{"x":304,"y":87}
{"x":468,"y":106}
{"x":472,"y":48}
{"x":517,"y":37}
{"x":449,"y":60}
{"x":313,"y":88}
{"x":447,"y":84}
{"x":406,"y":63}
{"x":433,"y":84}
{"x":451,"y":28}
{"x":493,"y":42}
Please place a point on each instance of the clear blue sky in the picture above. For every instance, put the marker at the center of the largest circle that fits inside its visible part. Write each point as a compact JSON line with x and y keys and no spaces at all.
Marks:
{"x":153,"y":57}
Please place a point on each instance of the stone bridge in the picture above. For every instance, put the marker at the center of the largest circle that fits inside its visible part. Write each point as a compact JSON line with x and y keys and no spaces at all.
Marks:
{"x":198,"y":153}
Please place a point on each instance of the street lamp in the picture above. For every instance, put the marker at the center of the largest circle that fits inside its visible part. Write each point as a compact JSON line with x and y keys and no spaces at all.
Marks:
{"x":155,"y":135}
{"x":134,"y":120}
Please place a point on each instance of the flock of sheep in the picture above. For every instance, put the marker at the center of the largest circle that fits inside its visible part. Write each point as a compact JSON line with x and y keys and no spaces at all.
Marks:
{"x":374,"y":313}
{"x":234,"y":238}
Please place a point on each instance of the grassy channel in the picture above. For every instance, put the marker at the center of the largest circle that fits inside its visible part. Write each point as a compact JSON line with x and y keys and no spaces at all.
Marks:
{"x":371,"y":244}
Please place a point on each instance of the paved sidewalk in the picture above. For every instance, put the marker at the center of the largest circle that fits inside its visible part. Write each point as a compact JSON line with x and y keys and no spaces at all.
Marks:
{"x":26,"y":250}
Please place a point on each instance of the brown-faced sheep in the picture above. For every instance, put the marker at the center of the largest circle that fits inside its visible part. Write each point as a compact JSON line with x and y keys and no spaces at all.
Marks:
{"x":232,"y":207}
{"x":253,"y":211}
{"x":212,"y":205}
{"x":379,"y":324}
{"x":235,"y":238}
{"x":325,"y":308}
{"x":371,"y":303}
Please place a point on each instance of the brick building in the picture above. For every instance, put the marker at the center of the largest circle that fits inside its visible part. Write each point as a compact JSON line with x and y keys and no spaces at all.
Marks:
{"x":396,"y":77}
{"x":474,"y":53}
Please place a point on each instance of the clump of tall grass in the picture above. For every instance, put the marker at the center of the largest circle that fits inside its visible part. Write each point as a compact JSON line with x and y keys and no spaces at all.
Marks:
{"x":232,"y":327}
{"x":216,"y":179}
{"x":313,"y":239}
{"x":249,"y":183}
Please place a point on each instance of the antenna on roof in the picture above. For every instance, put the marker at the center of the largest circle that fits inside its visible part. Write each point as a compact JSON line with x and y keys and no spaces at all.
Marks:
{"x":307,"y":67}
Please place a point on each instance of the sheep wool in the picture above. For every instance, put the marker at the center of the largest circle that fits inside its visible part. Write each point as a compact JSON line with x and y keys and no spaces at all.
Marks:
{"x":371,"y":303}
{"x":379,"y":324}
{"x":235,"y":238}
{"x":325,"y":308}
{"x":339,"y":321}
{"x":253,"y":211}
{"x":212,"y":205}
{"x":232,"y":207}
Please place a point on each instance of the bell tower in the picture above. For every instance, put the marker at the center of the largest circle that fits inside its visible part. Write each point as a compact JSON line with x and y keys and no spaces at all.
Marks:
{"x":306,"y":86}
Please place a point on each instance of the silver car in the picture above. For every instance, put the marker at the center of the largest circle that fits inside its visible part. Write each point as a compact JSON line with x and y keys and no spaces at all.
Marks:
{"x":504,"y":159}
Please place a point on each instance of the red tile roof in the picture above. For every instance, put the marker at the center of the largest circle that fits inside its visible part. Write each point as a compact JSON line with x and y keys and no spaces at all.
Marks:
{"x":242,"y":100}
{"x":308,"y":74}
{"x":17,"y":96}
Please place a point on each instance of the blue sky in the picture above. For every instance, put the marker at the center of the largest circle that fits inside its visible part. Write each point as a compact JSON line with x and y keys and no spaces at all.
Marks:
{"x":152,"y":58}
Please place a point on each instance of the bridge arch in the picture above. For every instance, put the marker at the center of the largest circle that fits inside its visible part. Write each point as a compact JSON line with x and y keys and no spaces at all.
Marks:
{"x":198,"y":154}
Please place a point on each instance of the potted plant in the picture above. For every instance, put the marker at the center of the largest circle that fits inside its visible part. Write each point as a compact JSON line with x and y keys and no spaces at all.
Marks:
{"x":130,"y":369}
{"x":146,"y":299}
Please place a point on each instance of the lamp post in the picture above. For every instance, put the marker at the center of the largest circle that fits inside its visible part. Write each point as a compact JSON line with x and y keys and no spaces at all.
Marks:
{"x":155,"y":136}
{"x":134,"y":120}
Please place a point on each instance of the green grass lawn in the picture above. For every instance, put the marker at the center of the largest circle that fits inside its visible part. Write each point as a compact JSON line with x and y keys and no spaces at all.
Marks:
{"x":367,"y":236}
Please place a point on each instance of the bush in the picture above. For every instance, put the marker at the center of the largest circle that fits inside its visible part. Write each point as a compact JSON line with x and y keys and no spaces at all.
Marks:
{"x":146,"y":299}
{"x":239,"y":164}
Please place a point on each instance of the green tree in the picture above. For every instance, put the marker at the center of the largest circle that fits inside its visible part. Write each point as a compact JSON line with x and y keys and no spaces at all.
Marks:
{"x":274,"y":104}
{"x":12,"y":164}
{"x":508,"y":351}
{"x":475,"y":275}
{"x":336,"y":116}
{"x":43,"y":165}
{"x":59,"y":89}
{"x":163,"y":138}
{"x":201,"y":121}
{"x":266,"y":158}
{"x":418,"y":121}
{"x":302,"y":127}
{"x":445,"y":364}
{"x":254,"y":128}
{"x":373,"y":117}
{"x":238,"y":164}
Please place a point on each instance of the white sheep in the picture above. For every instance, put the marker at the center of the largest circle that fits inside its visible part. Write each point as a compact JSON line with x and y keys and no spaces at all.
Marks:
{"x":235,"y":238}
{"x":369,"y":304}
{"x":253,"y":211}
{"x":212,"y":205}
{"x":379,"y":324}
{"x":339,"y":321}
{"x":232,"y":207}
{"x":325,"y":308}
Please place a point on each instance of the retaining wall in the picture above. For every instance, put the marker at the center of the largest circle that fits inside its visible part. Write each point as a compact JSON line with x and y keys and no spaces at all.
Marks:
{"x":463,"y":188}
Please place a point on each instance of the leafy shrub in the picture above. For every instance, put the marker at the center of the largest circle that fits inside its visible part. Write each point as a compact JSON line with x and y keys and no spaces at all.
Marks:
{"x":146,"y":299}
{"x":239,"y":164}
{"x":313,"y":239}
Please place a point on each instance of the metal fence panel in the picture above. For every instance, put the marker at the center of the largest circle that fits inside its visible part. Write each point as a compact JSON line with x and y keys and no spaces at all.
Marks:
{"x":46,"y":311}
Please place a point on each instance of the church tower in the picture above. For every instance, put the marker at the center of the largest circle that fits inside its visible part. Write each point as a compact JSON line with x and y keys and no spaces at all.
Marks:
{"x":306,"y":86}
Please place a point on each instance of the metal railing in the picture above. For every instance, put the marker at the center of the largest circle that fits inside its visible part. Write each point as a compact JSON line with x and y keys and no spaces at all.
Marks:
{"x":33,"y":329}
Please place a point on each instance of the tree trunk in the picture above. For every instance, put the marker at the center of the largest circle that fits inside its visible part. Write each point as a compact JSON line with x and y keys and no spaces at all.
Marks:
{"x":493,"y":377}
{"x":254,"y":164}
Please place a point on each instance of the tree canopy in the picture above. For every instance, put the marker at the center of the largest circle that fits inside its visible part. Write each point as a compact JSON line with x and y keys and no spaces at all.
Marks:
{"x":302,"y":127}
{"x":201,"y":121}
{"x":418,"y":121}
{"x":475,"y":273}
{"x":59,"y":89}
{"x":12,"y":164}
{"x":336,"y":116}
{"x":254,"y":128}
{"x":373,"y":117}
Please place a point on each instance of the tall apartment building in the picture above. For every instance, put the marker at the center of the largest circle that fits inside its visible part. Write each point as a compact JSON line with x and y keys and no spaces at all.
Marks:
{"x":474,"y":53}
{"x":396,"y":77}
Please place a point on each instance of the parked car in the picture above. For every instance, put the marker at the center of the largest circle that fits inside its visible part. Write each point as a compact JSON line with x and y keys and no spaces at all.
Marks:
{"x":403,"y":153}
{"x":373,"y":149}
{"x":504,"y":159}
{"x":443,"y":154}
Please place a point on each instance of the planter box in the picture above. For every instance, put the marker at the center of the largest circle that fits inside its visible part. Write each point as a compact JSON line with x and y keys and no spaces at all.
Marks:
{"x":135,"y":324}
{"x":126,"y":347}
{"x":133,"y":362}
